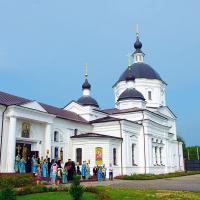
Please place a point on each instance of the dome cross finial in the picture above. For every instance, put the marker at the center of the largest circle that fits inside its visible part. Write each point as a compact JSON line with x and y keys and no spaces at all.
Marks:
{"x":129,"y":60}
{"x":86,"y":71}
{"x":137,"y":30}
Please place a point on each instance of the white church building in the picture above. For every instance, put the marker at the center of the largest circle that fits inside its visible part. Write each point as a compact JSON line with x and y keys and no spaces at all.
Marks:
{"x":137,"y":135}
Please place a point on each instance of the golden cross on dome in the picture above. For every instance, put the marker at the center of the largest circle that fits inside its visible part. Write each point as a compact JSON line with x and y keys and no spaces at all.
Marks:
{"x":86,"y":71}
{"x":129,"y":61}
{"x":137,"y":30}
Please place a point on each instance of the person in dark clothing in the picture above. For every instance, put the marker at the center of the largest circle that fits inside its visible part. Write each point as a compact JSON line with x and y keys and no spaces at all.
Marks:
{"x":78,"y":171}
{"x":95,"y":170}
{"x":59,"y":164}
{"x":49,"y":166}
{"x":73,"y":169}
{"x":28,"y":165}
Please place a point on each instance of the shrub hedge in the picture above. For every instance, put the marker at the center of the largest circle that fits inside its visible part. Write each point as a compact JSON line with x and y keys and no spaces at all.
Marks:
{"x":101,"y":193}
{"x":18,"y":180}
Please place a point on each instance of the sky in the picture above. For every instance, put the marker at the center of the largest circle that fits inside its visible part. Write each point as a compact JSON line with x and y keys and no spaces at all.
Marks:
{"x":44,"y":45}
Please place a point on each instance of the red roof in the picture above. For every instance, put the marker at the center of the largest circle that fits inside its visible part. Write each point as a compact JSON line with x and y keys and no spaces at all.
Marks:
{"x":8,"y":100}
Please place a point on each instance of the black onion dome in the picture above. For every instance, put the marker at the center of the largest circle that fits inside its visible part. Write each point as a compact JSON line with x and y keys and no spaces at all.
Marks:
{"x":138,"y":44}
{"x":86,"y":85}
{"x":131,"y":93}
{"x":140,"y":70}
{"x":87,"y":101}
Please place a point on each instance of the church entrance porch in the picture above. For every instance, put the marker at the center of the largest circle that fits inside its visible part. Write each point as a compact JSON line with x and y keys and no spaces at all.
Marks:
{"x":24,"y":150}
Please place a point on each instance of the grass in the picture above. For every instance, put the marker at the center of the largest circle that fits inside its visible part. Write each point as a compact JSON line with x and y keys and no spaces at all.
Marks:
{"x":54,"y":196}
{"x":119,"y":194}
{"x":158,"y":176}
{"x":139,"y":194}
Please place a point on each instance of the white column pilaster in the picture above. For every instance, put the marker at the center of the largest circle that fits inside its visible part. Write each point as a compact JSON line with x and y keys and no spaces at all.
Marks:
{"x":48,"y":131}
{"x":10,"y":162}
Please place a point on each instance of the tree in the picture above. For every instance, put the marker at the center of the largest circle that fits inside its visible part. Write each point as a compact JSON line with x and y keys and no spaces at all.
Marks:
{"x":76,"y":190}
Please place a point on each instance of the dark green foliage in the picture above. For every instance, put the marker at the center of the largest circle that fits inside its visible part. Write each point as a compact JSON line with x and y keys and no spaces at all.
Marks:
{"x":7,"y":193}
{"x":40,"y":189}
{"x":76,"y":190}
{"x":192,"y":153}
{"x":153,"y":176}
{"x":180,"y":139}
{"x":17,"y":180}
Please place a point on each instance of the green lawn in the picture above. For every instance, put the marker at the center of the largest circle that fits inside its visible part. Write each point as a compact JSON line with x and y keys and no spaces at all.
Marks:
{"x":139,"y":194}
{"x":119,"y":194}
{"x":54,"y":196}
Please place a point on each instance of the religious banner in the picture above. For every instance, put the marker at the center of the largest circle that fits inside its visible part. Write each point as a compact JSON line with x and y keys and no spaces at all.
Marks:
{"x":99,"y":155}
{"x":26,"y":128}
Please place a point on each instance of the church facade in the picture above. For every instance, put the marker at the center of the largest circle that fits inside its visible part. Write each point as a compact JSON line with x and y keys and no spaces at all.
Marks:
{"x":138,"y":135}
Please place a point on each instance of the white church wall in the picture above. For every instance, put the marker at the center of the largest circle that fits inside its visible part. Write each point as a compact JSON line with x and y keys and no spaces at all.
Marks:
{"x":108,"y":128}
{"x":129,"y":103}
{"x":89,"y":145}
{"x":67,"y":129}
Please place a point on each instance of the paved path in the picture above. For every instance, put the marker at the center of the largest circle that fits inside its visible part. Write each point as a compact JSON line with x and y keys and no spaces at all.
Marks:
{"x":188,"y":183}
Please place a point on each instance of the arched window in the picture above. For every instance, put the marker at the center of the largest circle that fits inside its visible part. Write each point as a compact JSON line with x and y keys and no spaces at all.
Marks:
{"x":114,"y":156}
{"x":56,"y":136}
{"x":79,"y":155}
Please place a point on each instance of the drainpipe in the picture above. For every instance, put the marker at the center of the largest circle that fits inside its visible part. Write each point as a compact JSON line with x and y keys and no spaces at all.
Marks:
{"x":145,"y":170}
{"x":121,"y":147}
{"x":2,"y":128}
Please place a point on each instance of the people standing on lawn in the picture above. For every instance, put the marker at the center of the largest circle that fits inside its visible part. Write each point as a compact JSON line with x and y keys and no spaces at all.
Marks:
{"x":83,"y":170}
{"x":99,"y":174}
{"x":54,"y":169}
{"x":78,"y":171}
{"x":28,"y":165}
{"x":95,"y":170}
{"x":110,"y":172}
{"x":104,"y":172}
{"x":22,"y":166}
{"x":34,"y":165}
{"x":87,"y":171}
{"x":45,"y":169}
{"x":64,"y":176}
{"x":17,"y":163}
{"x":49,"y":166}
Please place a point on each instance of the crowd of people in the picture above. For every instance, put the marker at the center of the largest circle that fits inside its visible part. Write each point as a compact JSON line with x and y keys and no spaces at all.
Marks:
{"x":57,"y":170}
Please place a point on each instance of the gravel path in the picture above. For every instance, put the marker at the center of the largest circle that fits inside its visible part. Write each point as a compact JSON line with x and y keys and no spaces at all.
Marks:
{"x":188,"y":183}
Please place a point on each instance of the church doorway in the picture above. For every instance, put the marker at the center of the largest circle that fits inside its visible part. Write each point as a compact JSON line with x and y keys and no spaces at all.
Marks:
{"x":24,"y":150}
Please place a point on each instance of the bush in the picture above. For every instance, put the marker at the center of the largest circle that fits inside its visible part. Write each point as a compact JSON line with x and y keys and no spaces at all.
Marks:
{"x":17,"y":180}
{"x":76,"y":190}
{"x":7,"y":193}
